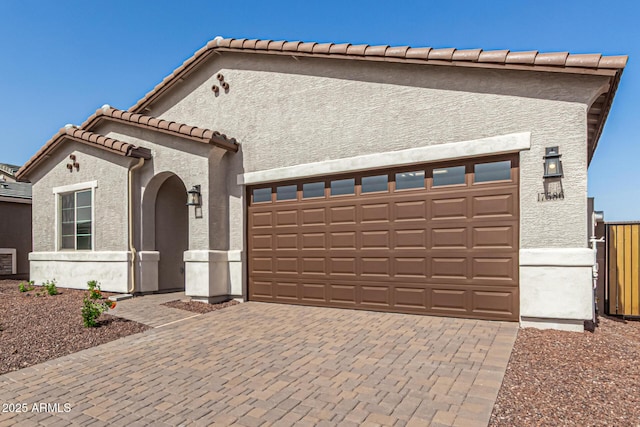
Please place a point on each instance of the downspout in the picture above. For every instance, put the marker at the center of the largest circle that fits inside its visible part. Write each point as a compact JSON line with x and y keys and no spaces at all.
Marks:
{"x":132,"y":248}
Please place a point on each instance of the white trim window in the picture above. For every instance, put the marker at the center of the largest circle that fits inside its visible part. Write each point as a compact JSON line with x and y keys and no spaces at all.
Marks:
{"x":75,"y":217}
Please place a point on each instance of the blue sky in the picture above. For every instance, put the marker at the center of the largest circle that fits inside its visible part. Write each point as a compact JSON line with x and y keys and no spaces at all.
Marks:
{"x":61,"y":60}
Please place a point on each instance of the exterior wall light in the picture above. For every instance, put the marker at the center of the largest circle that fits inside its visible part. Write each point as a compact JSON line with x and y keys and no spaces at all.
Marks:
{"x":552,"y":163}
{"x":194,"y":197}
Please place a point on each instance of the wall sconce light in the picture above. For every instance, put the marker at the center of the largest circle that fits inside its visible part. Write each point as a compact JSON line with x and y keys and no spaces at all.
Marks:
{"x":552,"y":163}
{"x":194,"y":198}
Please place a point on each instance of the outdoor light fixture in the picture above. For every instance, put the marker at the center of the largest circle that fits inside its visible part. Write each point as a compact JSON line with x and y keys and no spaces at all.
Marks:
{"x":194,"y":198}
{"x":552,"y":163}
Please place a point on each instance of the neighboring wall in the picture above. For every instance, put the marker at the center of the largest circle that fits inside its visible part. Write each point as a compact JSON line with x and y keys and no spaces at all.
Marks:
{"x":287,"y":111}
{"x":15,"y":233}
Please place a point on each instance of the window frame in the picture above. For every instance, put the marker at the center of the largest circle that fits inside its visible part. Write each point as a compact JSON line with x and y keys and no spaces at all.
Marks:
{"x":58,"y":192}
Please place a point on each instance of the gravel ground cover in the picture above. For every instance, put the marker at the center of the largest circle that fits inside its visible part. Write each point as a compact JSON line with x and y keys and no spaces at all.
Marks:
{"x":198,"y":307}
{"x":34,"y":329}
{"x":559,"y":378}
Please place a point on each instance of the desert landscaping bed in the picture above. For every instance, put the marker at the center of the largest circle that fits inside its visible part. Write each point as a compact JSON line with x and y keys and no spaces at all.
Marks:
{"x":559,"y":378}
{"x":34,"y":328}
{"x":198,"y":307}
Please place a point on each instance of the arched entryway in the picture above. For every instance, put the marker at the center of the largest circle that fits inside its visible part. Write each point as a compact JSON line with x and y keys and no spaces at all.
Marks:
{"x":171,"y":231}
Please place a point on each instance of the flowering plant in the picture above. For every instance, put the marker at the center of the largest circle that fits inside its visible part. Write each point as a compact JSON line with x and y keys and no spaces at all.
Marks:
{"x":94,"y":304}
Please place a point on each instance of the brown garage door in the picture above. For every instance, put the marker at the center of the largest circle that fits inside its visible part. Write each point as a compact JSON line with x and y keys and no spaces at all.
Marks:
{"x":431,"y":239}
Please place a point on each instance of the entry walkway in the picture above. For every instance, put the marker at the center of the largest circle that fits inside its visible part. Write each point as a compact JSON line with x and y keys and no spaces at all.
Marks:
{"x":258,"y":364}
{"x":148,"y":309}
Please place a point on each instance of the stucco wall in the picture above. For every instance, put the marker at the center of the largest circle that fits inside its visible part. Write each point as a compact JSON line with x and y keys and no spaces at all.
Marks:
{"x":15,"y":232}
{"x":287,"y":111}
{"x":110,"y":172}
{"x":194,"y":163}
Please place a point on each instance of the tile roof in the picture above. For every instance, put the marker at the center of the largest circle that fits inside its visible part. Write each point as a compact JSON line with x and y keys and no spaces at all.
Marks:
{"x":611,"y":66}
{"x":73,"y":133}
{"x":15,"y":190}
{"x":529,"y":60}
{"x":84,"y":135}
{"x":169,"y":127}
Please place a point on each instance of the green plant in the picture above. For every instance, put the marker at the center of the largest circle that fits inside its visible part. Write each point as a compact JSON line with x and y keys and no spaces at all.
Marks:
{"x":26,"y":288}
{"x":50,"y":286}
{"x":94,"y":304}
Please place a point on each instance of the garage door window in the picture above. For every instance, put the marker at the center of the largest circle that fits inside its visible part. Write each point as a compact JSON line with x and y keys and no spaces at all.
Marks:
{"x":341,"y":187}
{"x":312,"y":189}
{"x":448,"y":176}
{"x":287,"y":192}
{"x":261,"y":195}
{"x":407,"y":180}
{"x":372,"y":184}
{"x":494,"y":171}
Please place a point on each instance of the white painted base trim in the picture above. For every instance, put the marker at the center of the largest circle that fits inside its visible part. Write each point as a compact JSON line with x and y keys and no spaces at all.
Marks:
{"x":75,"y":269}
{"x":558,"y":324}
{"x":147,"y":271}
{"x":556,"y":287}
{"x":210,"y":274}
{"x":14,"y":258}
{"x":509,"y":143}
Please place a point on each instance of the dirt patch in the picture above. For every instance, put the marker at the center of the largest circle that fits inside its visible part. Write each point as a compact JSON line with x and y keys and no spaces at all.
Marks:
{"x":34,"y":329}
{"x":562,"y":378}
{"x":198,"y":307}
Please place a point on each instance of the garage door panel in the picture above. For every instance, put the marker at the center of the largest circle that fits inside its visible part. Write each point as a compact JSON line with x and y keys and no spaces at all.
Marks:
{"x":449,"y":268}
{"x":379,"y":296}
{"x":376,"y":239}
{"x":410,"y":211}
{"x":262,"y":220}
{"x":449,"y":238}
{"x":313,"y":241}
{"x":410,"y":267}
{"x":286,"y":291}
{"x":314,"y":265}
{"x":342,"y":266}
{"x":496,"y":205}
{"x":342,"y":215}
{"x":287,"y":218}
{"x":313,"y":292}
{"x":410,"y":239}
{"x":448,"y":250}
{"x":497,"y":268}
{"x":497,"y":236}
{"x":448,"y":208}
{"x":313,"y":216}
{"x":342,"y":294}
{"x":343,"y":240}
{"x":378,"y":212}
{"x":286,"y":242}
{"x":375,"y":267}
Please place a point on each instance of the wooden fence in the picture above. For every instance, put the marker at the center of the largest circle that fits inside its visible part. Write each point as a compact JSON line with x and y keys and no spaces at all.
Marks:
{"x":622,"y":297}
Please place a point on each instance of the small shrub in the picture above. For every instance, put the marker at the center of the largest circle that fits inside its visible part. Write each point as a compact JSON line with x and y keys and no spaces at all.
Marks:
{"x":50,"y":286}
{"x":94,"y":304}
{"x":22,"y":287}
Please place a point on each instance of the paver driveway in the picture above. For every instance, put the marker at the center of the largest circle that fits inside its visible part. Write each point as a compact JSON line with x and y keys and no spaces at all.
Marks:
{"x":260,"y":364}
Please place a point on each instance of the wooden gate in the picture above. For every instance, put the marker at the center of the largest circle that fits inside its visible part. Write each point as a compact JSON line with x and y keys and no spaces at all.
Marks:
{"x":623,"y":265}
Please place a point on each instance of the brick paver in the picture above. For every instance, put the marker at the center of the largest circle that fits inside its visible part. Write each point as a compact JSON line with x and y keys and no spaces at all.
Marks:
{"x":148,"y":309}
{"x":259,"y":364}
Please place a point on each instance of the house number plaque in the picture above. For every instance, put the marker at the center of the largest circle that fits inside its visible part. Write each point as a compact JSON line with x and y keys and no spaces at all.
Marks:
{"x":548,"y":196}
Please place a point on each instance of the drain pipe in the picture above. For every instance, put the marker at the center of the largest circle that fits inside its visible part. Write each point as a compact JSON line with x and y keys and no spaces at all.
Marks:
{"x":132,"y":248}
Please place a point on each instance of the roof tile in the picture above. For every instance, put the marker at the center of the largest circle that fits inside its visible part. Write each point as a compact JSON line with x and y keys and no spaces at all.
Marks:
{"x":357,"y":49}
{"x":493,"y":56}
{"x":418,"y":53}
{"x":376,"y":50}
{"x":290,"y":46}
{"x":552,"y":58}
{"x":262,"y":44}
{"x":339,"y":49}
{"x":249,"y":44}
{"x":524,"y":58}
{"x":470,"y":55}
{"x":306,"y":47}
{"x":322,"y":48}
{"x":587,"y":61}
{"x":445,"y":54}
{"x":397,"y":51}
{"x":276,"y":45}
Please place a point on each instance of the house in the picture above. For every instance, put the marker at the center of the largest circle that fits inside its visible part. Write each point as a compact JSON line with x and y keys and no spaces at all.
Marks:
{"x":413,"y":180}
{"x":15,"y":224}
